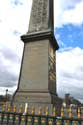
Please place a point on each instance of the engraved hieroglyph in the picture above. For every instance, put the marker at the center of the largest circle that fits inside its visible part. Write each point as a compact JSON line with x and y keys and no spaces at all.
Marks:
{"x":39,"y":16}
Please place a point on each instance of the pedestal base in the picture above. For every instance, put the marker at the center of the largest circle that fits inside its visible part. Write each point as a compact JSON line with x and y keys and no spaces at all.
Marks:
{"x":36,"y":99}
{"x":30,"y":96}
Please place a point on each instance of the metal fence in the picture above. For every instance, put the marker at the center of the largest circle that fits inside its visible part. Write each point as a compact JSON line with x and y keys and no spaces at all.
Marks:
{"x":12,"y":117}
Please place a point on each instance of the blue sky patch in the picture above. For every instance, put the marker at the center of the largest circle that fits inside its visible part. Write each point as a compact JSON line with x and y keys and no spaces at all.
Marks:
{"x":70,"y":36}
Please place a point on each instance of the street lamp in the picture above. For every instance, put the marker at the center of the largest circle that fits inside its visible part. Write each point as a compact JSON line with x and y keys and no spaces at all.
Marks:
{"x":6,"y":93}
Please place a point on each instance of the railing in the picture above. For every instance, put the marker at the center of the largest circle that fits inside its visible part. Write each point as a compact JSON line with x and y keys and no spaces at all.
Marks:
{"x":12,"y":117}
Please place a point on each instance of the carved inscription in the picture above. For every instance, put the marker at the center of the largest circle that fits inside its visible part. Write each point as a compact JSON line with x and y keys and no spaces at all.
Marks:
{"x":52,"y":71}
{"x":39,"y":15}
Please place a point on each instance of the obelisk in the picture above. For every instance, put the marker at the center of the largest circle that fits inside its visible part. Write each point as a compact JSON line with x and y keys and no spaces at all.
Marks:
{"x":37,"y":81}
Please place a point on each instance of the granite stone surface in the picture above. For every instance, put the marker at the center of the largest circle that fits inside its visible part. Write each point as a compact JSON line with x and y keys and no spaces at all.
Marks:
{"x":39,"y":16}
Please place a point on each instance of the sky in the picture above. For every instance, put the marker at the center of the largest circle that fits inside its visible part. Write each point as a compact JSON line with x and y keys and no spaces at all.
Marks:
{"x":68,"y":25}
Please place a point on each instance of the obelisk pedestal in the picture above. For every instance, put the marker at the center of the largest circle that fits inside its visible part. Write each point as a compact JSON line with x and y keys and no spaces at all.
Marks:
{"x":37,"y":82}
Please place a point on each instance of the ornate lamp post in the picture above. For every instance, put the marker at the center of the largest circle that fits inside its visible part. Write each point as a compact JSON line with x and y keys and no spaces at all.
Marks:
{"x":6,"y":93}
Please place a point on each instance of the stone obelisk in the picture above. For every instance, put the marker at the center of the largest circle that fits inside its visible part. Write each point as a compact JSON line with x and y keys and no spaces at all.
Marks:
{"x":37,"y":82}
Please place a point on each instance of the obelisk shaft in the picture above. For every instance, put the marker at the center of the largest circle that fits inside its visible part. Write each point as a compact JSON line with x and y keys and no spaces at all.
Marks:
{"x":41,"y":16}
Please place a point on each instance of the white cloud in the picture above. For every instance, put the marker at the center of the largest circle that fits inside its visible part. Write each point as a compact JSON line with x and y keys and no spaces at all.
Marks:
{"x":14,"y":21}
{"x":69,"y":13}
{"x":15,"y":18}
{"x":73,"y":16}
{"x":70,"y":72}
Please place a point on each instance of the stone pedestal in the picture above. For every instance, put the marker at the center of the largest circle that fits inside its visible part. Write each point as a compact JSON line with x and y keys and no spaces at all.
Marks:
{"x":38,"y":75}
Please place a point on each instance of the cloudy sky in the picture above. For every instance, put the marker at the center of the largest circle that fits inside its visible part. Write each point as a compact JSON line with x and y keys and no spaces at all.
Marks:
{"x":68,"y":23}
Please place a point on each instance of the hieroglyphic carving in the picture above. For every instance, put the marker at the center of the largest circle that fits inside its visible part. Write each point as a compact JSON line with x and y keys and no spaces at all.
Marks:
{"x":52,"y":70}
{"x":39,"y":15}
